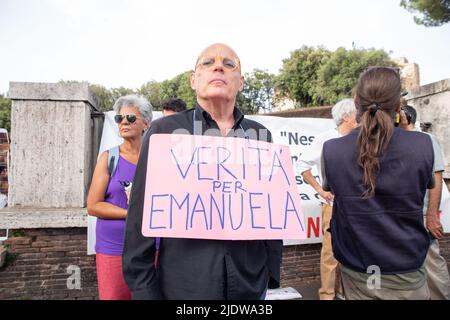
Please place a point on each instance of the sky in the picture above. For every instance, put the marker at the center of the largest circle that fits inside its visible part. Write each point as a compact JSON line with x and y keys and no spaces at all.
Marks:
{"x":130,"y":42}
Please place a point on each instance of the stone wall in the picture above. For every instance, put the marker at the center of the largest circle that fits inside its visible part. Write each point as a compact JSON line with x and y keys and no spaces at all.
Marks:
{"x":300,"y":263}
{"x":311,"y":112}
{"x":432,"y":102}
{"x":37,"y":265}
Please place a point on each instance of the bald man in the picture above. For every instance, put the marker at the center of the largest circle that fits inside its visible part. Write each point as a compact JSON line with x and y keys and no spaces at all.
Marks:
{"x":199,"y":268}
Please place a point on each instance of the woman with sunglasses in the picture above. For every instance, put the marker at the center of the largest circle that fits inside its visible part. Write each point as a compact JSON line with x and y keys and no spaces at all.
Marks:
{"x":107,"y":199}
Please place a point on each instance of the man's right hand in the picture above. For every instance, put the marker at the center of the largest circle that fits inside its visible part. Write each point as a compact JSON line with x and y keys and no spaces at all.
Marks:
{"x":328,"y":196}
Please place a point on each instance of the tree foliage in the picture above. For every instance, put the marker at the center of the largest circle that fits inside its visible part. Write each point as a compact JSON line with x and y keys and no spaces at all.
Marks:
{"x":298,"y":75}
{"x":338,"y":75}
{"x":106,"y":100}
{"x":320,"y":77}
{"x":152,"y":91}
{"x":5,"y":113}
{"x":433,"y":13}
{"x":257,"y":93}
{"x":179,"y":87}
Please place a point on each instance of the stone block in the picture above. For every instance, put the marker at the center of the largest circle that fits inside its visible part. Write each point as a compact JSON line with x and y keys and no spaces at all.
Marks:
{"x":52,"y":160}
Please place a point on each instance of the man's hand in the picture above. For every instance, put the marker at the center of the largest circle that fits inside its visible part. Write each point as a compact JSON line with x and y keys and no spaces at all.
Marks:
{"x":328,"y":196}
{"x":434,"y":226}
{"x":309,"y":178}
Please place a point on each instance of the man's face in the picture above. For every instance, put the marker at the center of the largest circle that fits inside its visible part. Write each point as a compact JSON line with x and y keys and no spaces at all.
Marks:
{"x":217,"y":75}
{"x":351,"y":120}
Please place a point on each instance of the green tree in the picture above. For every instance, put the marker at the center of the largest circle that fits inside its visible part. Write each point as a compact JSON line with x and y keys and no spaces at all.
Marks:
{"x":5,"y":113}
{"x":257,"y":93}
{"x":321,"y":77}
{"x":105,"y":98}
{"x":116,"y":93}
{"x":338,"y":75}
{"x":179,"y":87}
{"x":298,"y":75}
{"x":185,"y":92}
{"x":433,"y":13}
{"x":152,"y":91}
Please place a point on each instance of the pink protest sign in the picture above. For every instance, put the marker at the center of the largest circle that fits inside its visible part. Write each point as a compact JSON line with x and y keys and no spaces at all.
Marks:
{"x":220,"y":188}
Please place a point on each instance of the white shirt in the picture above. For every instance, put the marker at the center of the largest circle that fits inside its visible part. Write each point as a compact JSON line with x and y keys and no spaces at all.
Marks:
{"x":313,"y":154}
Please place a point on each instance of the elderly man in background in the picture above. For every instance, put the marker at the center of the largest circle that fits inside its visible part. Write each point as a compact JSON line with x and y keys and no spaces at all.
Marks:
{"x":343,"y":113}
{"x":438,"y":279}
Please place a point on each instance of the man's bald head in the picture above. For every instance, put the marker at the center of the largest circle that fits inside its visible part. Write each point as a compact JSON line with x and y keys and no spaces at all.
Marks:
{"x":217,"y":76}
{"x":216,"y":49}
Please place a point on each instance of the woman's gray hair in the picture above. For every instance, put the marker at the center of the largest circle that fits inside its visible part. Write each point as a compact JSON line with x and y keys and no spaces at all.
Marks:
{"x":139,"y":102}
{"x":342,"y":108}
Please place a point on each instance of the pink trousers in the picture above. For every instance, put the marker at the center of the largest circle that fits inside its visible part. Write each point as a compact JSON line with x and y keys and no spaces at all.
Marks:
{"x":111,"y":285}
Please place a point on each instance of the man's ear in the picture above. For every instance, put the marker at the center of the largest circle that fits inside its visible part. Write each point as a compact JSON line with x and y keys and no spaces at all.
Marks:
{"x":241,"y":83}
{"x":193,"y":80}
{"x":345,"y":117}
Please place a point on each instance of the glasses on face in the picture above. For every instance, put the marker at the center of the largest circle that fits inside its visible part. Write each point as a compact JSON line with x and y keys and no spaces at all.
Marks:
{"x":208,"y":62}
{"x":130,"y":118}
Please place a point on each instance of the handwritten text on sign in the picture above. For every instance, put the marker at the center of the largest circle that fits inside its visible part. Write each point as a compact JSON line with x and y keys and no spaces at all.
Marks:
{"x":220,"y":188}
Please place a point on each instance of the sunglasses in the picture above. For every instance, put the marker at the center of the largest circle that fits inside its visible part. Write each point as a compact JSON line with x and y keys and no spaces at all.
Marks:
{"x":131,"y":118}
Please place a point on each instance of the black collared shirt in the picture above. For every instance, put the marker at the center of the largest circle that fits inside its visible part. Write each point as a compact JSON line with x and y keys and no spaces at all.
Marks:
{"x":196,"y":268}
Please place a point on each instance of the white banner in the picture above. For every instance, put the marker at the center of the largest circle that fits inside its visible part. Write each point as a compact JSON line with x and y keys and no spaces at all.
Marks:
{"x":298,"y":134}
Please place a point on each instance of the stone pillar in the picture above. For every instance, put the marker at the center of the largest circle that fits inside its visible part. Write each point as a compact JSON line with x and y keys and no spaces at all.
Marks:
{"x":55,"y":134}
{"x":432,"y":102}
{"x":409,"y":73}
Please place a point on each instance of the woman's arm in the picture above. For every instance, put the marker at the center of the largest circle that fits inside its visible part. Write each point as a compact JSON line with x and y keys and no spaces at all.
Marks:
{"x":96,"y":205}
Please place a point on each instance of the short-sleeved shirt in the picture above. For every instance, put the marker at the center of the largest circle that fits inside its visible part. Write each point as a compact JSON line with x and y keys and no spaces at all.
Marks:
{"x":438,"y":166}
{"x":313,"y":155}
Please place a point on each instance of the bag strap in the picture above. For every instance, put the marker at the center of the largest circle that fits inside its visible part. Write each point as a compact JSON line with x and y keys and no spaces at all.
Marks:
{"x":113,"y":159}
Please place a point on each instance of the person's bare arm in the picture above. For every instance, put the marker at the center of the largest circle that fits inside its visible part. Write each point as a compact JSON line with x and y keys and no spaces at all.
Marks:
{"x":96,"y":205}
{"x":433,"y":222}
{"x":309,"y":178}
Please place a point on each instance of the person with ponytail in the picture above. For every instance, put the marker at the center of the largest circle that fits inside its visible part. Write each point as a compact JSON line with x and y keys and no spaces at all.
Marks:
{"x":379,"y":174}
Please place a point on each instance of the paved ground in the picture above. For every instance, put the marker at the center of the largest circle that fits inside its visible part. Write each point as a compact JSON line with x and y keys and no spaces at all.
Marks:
{"x":308,"y":289}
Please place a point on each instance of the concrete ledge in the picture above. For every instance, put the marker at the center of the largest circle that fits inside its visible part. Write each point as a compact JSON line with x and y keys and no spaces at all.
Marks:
{"x":31,"y":218}
{"x":309,"y":112}
{"x":76,"y":91}
{"x":429,"y":89}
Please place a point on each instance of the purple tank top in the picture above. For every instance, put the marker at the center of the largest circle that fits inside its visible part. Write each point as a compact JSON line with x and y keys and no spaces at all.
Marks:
{"x":110,"y":232}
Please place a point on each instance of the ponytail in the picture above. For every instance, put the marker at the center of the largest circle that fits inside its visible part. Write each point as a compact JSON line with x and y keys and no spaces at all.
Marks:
{"x":374,"y":136}
{"x":377,"y":96}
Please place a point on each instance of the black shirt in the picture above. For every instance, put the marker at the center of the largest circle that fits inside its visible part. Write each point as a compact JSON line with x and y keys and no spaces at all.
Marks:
{"x":196,"y":268}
